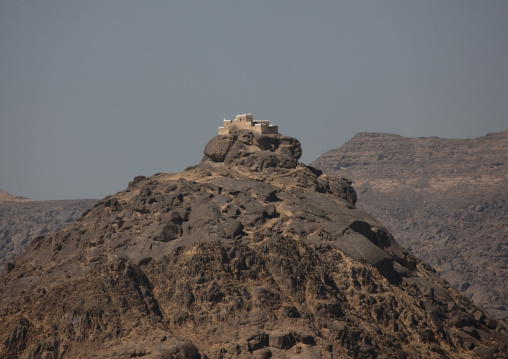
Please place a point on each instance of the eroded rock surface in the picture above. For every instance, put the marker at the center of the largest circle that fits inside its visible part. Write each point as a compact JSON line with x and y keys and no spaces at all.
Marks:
{"x":444,"y":199}
{"x":249,"y":254}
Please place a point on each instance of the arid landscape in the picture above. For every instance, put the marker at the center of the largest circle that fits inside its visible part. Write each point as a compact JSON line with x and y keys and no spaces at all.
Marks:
{"x":238,"y":179}
{"x":248,"y":254}
{"x":446,"y":200}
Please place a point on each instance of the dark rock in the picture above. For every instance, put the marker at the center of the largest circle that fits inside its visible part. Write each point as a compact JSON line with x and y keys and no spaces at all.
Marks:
{"x":282,"y":340}
{"x":483,"y":353}
{"x":202,"y":214}
{"x":264,"y":353}
{"x":8,"y":266}
{"x":468,"y":345}
{"x":491,"y":323}
{"x":270,"y":211}
{"x":245,"y":137}
{"x":175,"y":347}
{"x":135,"y":181}
{"x":471,"y":331}
{"x":170,"y":232}
{"x":218,"y":147}
{"x":254,"y":151}
{"x":479,"y":316}
{"x":257,"y":341}
{"x":462,"y":320}
{"x":305,"y":338}
{"x":291,"y":312}
{"x":290,"y":147}
{"x":360,"y":248}
{"x":232,"y":228}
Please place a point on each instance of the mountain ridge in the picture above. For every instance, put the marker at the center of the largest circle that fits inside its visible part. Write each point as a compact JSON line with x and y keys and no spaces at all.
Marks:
{"x":445,"y":199}
{"x":7,"y":197}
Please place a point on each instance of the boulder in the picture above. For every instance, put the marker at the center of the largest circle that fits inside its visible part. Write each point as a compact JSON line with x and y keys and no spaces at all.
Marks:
{"x":217,"y":148}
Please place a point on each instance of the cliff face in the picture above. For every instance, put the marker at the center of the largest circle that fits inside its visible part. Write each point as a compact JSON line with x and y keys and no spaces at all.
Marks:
{"x":248,"y":254}
{"x":444,"y":199}
{"x":21,"y":221}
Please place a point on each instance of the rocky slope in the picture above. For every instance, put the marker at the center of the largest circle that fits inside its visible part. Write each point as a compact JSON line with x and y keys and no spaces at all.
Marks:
{"x":23,"y":220}
{"x":7,"y":197}
{"x":444,"y":199}
{"x":249,"y":254}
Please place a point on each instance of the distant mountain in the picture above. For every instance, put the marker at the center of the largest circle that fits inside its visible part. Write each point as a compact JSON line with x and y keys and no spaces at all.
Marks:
{"x":250,"y":254}
{"x":444,"y":199}
{"x":7,"y":197}
{"x":23,"y":220}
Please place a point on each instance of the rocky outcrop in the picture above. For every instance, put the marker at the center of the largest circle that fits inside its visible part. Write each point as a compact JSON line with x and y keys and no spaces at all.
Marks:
{"x":22,"y":221}
{"x":443,"y":199}
{"x":254,"y":151}
{"x":249,"y":254}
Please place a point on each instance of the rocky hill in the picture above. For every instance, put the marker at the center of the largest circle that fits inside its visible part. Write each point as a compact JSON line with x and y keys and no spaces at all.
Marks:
{"x":249,"y":254}
{"x":444,"y":199}
{"x":21,"y":220}
{"x":7,"y":197}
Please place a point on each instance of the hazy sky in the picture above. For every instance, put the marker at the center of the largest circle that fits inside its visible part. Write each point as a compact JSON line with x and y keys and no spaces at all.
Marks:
{"x":93,"y":93}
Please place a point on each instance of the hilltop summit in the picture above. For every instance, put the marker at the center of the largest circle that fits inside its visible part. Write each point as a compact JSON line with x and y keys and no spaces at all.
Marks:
{"x":248,"y":254}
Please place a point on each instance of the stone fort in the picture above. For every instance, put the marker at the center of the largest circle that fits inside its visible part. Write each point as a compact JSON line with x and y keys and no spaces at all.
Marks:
{"x":246,"y":122}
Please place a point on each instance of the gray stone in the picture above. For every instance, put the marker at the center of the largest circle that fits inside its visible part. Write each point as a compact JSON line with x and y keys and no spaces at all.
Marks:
{"x":175,"y":347}
{"x":483,"y":353}
{"x":257,"y":341}
{"x":232,"y":228}
{"x":360,"y":248}
{"x":217,"y":148}
{"x":282,"y":340}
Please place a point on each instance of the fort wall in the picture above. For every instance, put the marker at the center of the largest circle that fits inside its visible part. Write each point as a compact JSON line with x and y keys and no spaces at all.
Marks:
{"x":246,"y":122}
